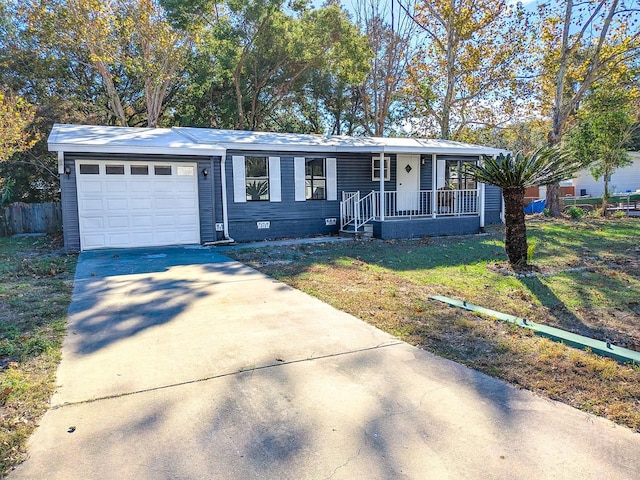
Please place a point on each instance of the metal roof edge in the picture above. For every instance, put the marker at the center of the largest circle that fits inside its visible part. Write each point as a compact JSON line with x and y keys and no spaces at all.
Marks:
{"x":182,"y":151}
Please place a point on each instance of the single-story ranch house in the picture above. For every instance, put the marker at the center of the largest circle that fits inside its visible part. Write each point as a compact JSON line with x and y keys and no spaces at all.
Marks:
{"x":135,"y":187}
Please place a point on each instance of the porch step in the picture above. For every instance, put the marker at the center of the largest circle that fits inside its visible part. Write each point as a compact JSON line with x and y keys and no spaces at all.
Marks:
{"x":349,"y":231}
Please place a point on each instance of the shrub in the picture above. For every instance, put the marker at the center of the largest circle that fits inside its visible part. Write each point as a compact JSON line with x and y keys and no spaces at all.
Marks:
{"x":575,"y":212}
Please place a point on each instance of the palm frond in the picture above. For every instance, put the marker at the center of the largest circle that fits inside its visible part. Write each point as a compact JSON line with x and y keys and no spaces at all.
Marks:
{"x":544,"y":167}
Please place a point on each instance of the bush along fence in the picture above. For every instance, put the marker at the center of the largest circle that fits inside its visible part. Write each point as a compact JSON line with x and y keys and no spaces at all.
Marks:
{"x":30,"y":218}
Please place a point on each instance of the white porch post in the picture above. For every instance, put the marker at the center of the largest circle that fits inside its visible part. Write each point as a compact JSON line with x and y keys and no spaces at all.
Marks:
{"x":434,"y":185}
{"x":481,"y":204}
{"x":382,"y":199}
{"x":481,"y":198}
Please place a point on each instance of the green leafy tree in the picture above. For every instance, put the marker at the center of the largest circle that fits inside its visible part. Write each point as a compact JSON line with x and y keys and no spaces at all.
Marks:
{"x":467,"y":69}
{"x":268,"y":52}
{"x":128,"y":44}
{"x":16,"y":116}
{"x":580,"y":43}
{"x":603,"y":129}
{"x":513,"y":174}
{"x":525,"y":136}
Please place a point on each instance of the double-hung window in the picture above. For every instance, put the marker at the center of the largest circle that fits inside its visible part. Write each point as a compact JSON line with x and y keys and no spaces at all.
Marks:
{"x":315,"y":179}
{"x":257,"y":178}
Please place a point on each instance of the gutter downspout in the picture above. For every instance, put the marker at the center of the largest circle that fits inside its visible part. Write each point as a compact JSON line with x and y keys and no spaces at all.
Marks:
{"x":225,"y":219}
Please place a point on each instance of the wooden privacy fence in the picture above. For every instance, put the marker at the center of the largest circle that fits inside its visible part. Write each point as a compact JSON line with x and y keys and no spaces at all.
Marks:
{"x":30,"y":218}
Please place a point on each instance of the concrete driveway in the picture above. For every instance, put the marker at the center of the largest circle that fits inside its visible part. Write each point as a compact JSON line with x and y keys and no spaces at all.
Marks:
{"x":183,"y":364}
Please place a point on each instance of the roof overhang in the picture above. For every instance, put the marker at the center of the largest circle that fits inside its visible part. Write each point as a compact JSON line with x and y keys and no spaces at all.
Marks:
{"x":126,"y":140}
{"x":189,"y":141}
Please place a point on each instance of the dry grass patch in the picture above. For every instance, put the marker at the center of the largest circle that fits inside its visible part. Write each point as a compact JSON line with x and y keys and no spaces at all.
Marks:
{"x":387,"y":285}
{"x":36,"y":280}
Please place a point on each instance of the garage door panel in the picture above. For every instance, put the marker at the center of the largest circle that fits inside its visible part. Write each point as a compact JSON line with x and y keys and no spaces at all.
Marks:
{"x":119,"y":240}
{"x":140,"y":204}
{"x":186,"y":220}
{"x":185,"y":203}
{"x":141,"y":221}
{"x":127,"y":210}
{"x":183,"y":187}
{"x":91,"y":205}
{"x":166,"y":204}
{"x":91,"y":186}
{"x":140,"y":186}
{"x":142,"y":239}
{"x":90,"y":223}
{"x":165,"y":221}
{"x":116,"y":186}
{"x":93,"y":241}
{"x":168,"y":238}
{"x":117,"y":204}
{"x":117,"y":222}
{"x":163,"y":187}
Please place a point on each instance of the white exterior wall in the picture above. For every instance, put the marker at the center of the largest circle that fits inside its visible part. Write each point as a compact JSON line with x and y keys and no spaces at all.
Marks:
{"x":623,"y":179}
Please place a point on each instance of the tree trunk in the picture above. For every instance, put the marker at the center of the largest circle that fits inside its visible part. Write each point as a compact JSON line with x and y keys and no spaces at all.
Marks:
{"x":553,"y":200}
{"x":515,"y":242}
{"x":605,"y":194}
{"x":553,"y":190}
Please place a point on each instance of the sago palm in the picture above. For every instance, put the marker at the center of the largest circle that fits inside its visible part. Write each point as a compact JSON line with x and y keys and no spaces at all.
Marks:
{"x":514,"y":173}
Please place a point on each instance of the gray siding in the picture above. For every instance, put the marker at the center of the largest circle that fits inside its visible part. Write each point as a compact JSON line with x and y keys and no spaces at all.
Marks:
{"x":354,"y":174}
{"x":69,"y":200}
{"x":286,"y":218}
{"x":426,"y":172}
{"x":217,"y":195}
{"x":493,"y":204}
{"x":206,"y":200}
{"x":424,"y":227}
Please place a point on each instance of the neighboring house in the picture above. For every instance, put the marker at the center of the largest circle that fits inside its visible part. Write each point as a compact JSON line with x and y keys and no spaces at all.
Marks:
{"x":626,"y":179}
{"x":134,"y":187}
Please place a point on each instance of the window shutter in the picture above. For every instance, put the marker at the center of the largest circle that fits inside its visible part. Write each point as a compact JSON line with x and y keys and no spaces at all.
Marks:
{"x":239,"y":179}
{"x":332,"y":179}
{"x":299,"y":174}
{"x":275,"y":190}
{"x":440,"y":171}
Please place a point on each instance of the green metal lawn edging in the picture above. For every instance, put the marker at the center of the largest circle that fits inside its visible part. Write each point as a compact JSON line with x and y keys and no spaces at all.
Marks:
{"x":607,"y":349}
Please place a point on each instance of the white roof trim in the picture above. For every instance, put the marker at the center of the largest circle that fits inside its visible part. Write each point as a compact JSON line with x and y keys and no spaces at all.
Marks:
{"x":294,"y":142}
{"x":214,"y":142}
{"x":126,"y":140}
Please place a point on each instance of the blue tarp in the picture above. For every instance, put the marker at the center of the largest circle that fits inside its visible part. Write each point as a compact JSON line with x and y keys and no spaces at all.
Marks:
{"x":537,"y":206}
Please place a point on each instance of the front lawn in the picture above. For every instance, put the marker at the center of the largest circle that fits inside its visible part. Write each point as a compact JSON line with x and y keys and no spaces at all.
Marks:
{"x":586,"y":280}
{"x":36,"y":279}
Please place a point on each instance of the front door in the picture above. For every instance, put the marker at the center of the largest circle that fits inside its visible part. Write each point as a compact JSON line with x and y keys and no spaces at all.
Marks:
{"x":408,"y":182}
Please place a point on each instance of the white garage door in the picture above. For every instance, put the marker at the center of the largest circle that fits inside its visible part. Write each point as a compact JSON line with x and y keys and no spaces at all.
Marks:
{"x":137,"y":204}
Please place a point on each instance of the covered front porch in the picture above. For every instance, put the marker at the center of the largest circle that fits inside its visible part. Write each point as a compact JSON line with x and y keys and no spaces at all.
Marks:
{"x":358,"y":209}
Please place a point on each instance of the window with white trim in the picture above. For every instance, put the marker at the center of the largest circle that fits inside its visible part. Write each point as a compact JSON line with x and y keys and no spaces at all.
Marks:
{"x":257,"y":178}
{"x":315,"y":179}
{"x":375,"y":168}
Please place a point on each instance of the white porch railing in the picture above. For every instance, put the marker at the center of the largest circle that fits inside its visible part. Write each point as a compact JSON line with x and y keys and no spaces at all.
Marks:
{"x":457,"y":202}
{"x":358,"y":210}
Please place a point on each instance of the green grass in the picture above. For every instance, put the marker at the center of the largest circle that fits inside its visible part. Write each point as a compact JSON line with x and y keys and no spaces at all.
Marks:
{"x":587,"y":281}
{"x":36,"y":280}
